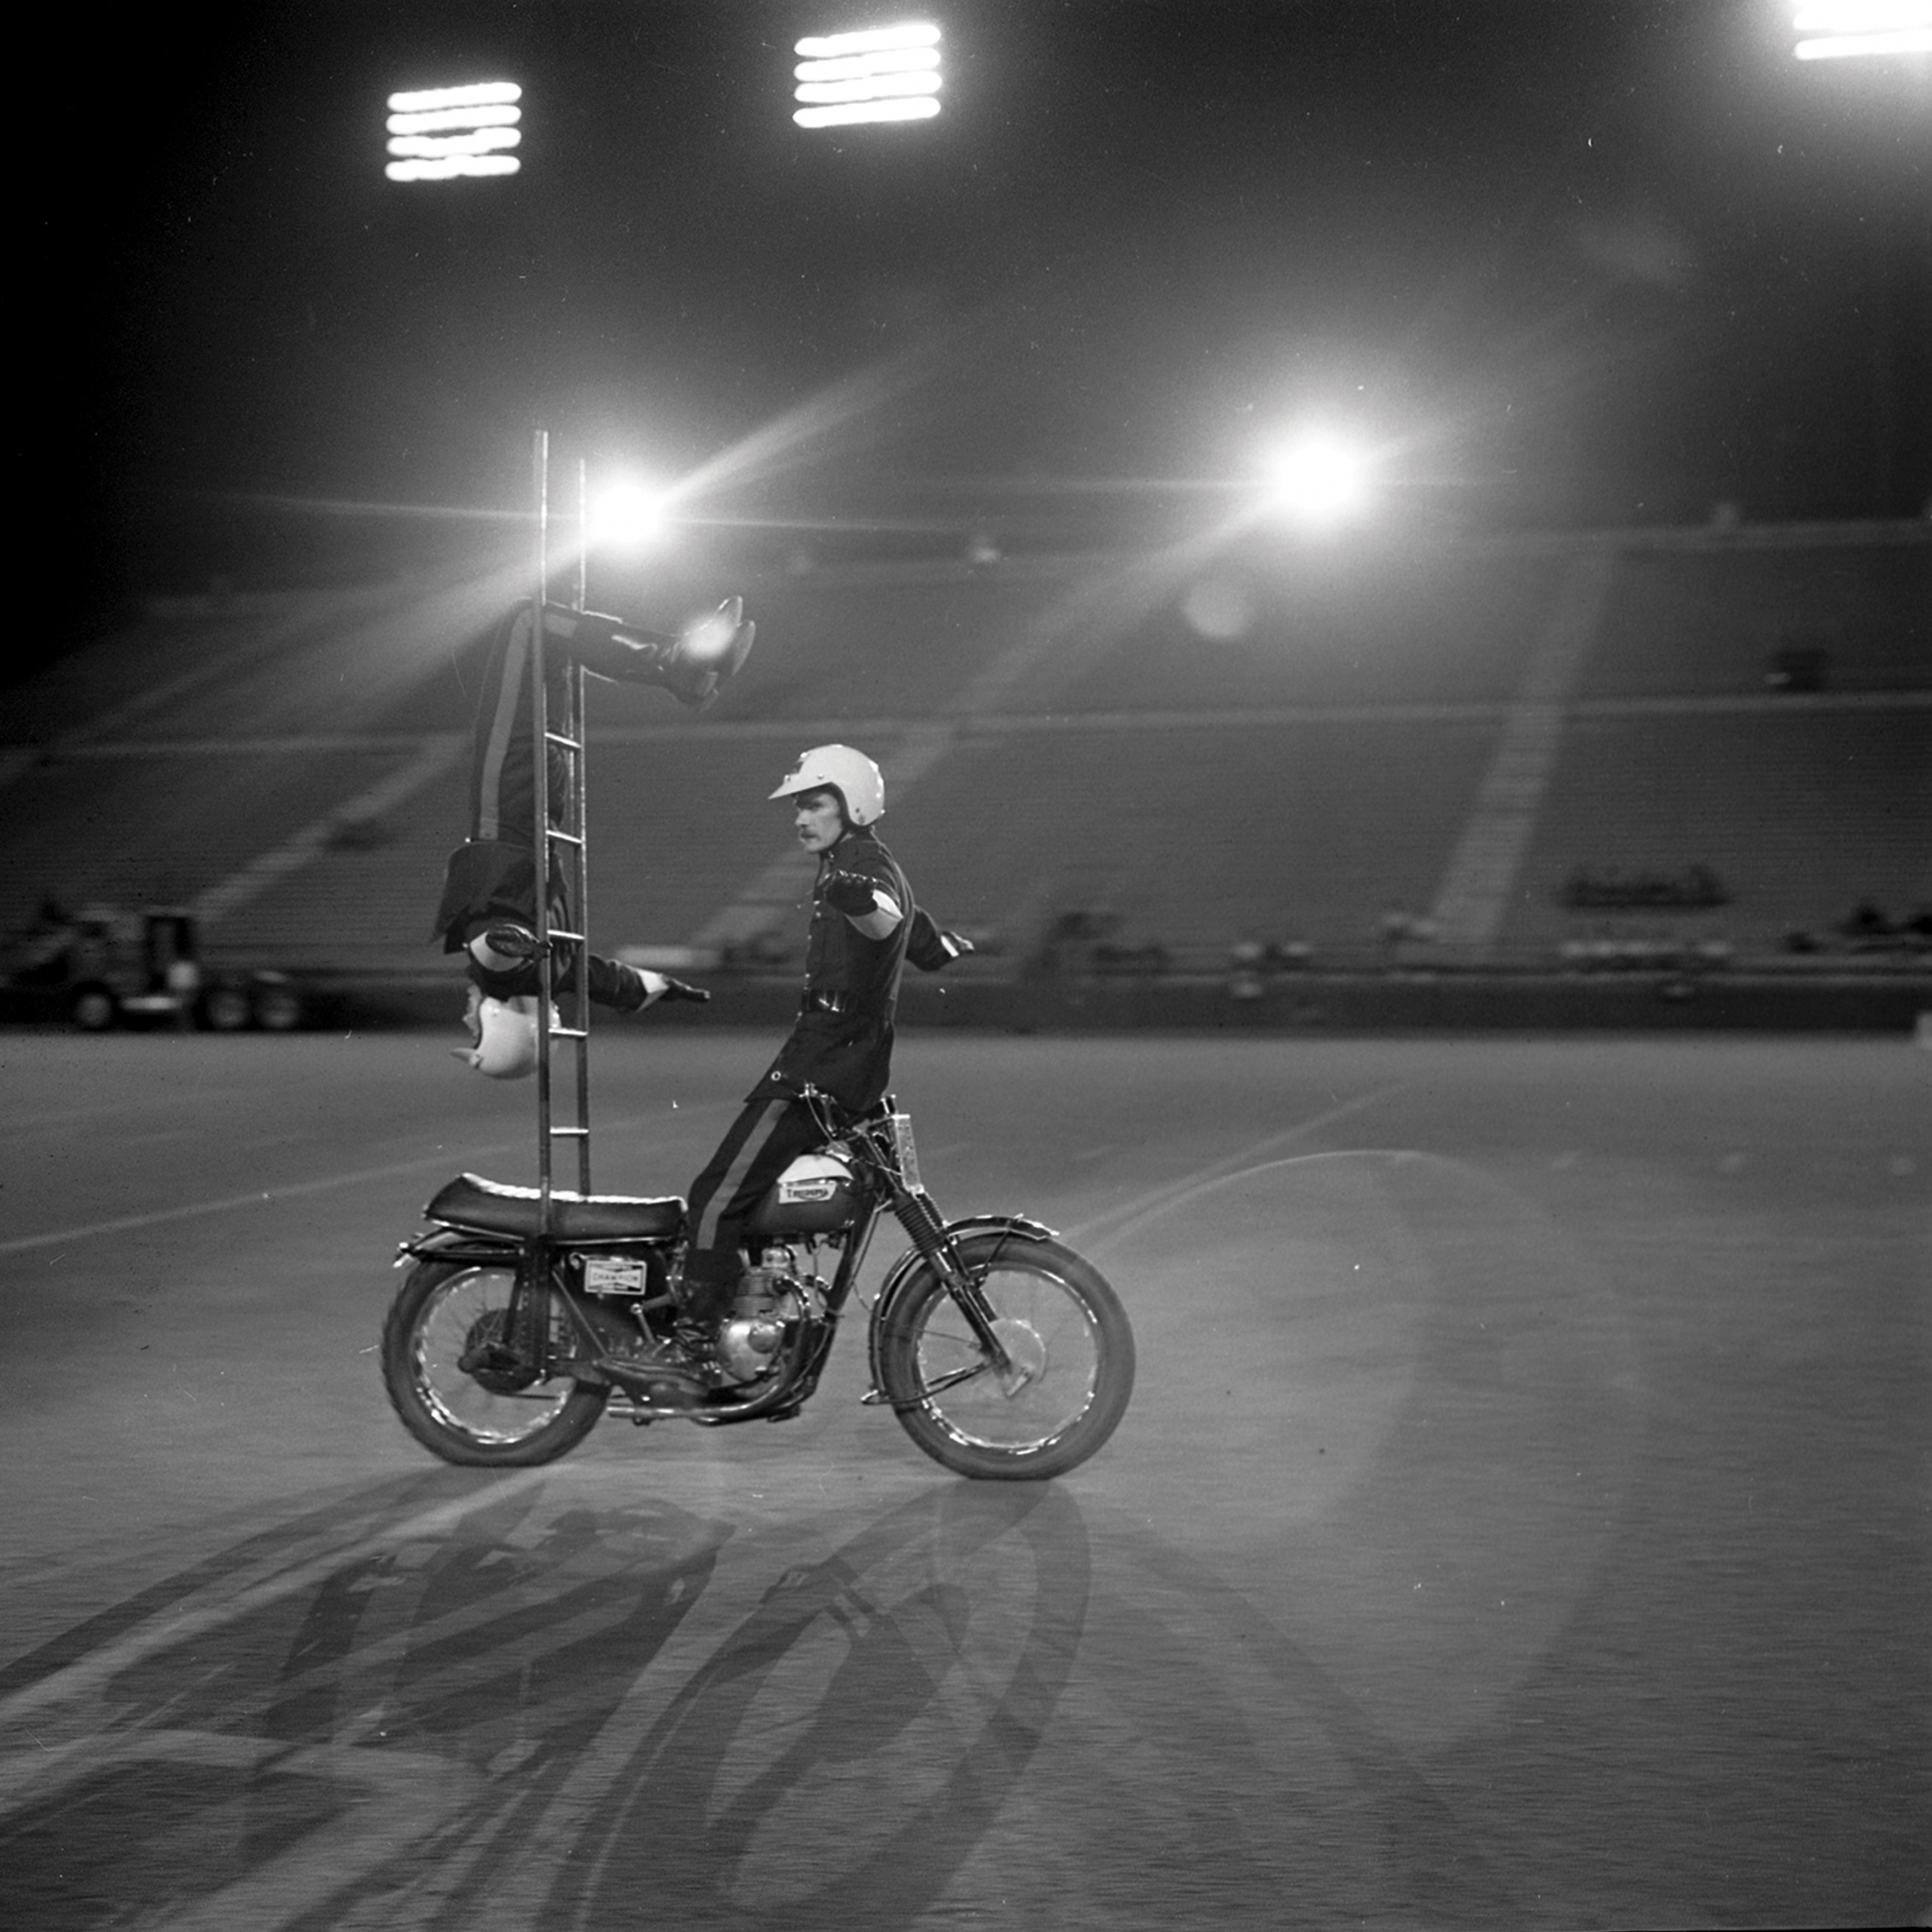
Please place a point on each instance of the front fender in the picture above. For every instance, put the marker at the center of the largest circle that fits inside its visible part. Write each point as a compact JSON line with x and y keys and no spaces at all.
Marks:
{"x":1020,"y":1227}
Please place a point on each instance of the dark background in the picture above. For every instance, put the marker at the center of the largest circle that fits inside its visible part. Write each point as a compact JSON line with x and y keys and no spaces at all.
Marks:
{"x":1566,"y":264}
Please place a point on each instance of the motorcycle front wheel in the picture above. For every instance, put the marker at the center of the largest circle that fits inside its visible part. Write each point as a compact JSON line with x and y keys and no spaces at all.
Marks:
{"x":491,"y":1418}
{"x":1070,"y":1351}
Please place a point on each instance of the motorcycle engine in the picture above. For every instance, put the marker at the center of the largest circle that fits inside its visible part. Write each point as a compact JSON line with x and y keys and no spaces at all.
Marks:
{"x":771,"y":1301}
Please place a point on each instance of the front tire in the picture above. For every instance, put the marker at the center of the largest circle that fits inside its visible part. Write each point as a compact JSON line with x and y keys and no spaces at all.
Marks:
{"x":1072,"y":1353}
{"x":443,"y":1309}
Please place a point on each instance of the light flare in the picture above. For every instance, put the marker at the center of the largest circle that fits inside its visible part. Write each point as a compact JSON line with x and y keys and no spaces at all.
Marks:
{"x":921,"y":107}
{"x":1319,"y":479}
{"x":448,"y":167}
{"x":629,"y":516}
{"x":907,"y":33}
{"x":1855,"y":29}
{"x":479,"y":95}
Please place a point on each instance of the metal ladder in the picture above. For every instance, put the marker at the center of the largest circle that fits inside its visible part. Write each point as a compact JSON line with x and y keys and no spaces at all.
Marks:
{"x":566,"y":737}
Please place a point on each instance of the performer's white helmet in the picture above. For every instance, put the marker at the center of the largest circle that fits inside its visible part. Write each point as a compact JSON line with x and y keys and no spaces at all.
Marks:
{"x":851,"y":774}
{"x":504,"y":1032}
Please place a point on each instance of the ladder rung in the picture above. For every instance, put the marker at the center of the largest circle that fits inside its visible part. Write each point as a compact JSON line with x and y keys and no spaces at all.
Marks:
{"x":557,"y":837}
{"x":570,"y":1132}
{"x":569,"y":744}
{"x":570,"y":1032}
{"x":564,"y":933}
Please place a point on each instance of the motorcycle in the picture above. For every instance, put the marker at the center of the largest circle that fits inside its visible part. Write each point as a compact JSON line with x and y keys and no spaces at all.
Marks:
{"x":1004,"y":1354}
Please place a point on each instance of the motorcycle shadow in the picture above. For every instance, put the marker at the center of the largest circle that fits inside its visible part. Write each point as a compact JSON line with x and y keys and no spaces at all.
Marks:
{"x":460,"y":1698}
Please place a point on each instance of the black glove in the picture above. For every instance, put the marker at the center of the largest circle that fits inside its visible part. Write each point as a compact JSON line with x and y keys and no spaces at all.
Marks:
{"x":637,"y":986}
{"x":846,"y":893}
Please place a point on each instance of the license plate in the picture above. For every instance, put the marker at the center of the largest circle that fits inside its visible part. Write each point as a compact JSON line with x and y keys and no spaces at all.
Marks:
{"x":614,"y":1275}
{"x":902,"y":1147}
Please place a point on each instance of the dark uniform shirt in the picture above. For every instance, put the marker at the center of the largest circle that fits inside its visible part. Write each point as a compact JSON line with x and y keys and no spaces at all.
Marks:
{"x":841,"y":1043}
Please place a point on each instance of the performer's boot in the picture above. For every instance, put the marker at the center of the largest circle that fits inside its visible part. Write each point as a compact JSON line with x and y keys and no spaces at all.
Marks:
{"x":502,"y":946}
{"x":694,"y":666}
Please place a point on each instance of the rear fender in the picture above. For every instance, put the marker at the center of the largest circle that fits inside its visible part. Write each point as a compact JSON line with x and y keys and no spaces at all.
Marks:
{"x":453,"y":1244}
{"x":899,"y":1276}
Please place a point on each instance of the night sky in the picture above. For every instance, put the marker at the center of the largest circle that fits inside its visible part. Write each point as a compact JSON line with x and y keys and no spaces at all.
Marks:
{"x":1564,"y":264}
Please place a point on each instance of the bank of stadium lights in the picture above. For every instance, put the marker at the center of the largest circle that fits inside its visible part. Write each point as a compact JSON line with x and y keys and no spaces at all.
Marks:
{"x":1854,"y":29}
{"x":438,"y":133}
{"x":878,"y":74}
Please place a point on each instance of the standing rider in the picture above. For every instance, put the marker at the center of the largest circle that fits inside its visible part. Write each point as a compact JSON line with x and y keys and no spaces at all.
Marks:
{"x":864,"y":927}
{"x":488,"y":911}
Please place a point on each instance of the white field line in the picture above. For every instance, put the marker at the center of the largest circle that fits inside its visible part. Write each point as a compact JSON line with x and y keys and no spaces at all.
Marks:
{"x":1102,"y":1224}
{"x":291,"y":1191}
{"x":1115,"y":1222}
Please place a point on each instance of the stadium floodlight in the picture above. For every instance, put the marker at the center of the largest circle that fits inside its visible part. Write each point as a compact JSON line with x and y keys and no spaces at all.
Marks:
{"x":1853,"y":30}
{"x":1318,"y":479}
{"x":629,"y":515}
{"x":875,"y":74}
{"x":438,"y":133}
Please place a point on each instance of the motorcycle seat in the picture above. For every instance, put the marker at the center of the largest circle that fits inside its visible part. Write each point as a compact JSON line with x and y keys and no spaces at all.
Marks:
{"x":495,"y":1207}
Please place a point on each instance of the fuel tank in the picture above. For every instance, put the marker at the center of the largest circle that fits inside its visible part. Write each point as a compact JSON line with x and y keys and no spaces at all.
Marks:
{"x":816,"y":1194}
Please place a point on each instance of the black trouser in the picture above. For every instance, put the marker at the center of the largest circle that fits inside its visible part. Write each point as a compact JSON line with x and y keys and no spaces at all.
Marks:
{"x":766,"y":1137}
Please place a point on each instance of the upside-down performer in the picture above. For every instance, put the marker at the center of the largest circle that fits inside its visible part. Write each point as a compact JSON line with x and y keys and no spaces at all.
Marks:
{"x":488,"y":911}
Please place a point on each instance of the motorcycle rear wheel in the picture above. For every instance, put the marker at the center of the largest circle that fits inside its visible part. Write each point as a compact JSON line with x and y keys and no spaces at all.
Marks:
{"x":442,"y":1310}
{"x":1072,"y":1350}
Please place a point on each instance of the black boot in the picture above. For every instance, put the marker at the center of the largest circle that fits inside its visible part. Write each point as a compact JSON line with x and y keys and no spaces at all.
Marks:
{"x":692,"y":667}
{"x":507,"y":941}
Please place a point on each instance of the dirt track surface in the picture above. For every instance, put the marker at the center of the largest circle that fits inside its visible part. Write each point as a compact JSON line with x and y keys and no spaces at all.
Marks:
{"x":1522,"y":1519}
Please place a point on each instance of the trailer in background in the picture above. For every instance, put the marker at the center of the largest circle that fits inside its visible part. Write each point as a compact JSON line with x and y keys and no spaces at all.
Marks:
{"x":105,"y":966}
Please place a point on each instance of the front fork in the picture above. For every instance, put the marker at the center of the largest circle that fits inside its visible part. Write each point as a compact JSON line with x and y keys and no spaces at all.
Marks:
{"x":920,"y":1218}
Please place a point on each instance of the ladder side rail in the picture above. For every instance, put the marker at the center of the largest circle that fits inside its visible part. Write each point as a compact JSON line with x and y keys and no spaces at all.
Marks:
{"x":577,"y":812}
{"x":579,"y":873}
{"x":539,"y":815}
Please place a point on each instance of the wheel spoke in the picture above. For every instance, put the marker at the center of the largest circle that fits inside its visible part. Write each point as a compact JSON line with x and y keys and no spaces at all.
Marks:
{"x":1052,"y":1340}
{"x":469,"y":1303}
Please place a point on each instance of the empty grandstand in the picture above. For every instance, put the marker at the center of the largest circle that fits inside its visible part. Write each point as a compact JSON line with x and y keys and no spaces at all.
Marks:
{"x":1360,"y":756}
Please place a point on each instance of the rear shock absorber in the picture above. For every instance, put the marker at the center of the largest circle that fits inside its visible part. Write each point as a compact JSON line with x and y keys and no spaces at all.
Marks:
{"x":527,"y":1327}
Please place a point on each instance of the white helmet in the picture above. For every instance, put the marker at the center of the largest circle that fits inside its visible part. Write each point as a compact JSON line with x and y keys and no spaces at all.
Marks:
{"x":503,"y":1035}
{"x":851,"y":774}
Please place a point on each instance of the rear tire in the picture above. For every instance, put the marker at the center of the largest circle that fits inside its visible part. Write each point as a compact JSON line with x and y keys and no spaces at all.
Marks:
{"x":441,"y":1309}
{"x":1073,"y":1347}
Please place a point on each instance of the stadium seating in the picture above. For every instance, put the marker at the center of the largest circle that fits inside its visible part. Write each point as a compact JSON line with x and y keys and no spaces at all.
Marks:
{"x":1281,"y":747}
{"x":1686,"y":621}
{"x":1799,"y":810}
